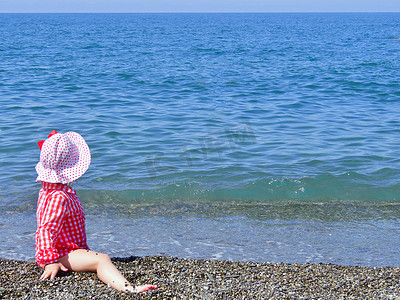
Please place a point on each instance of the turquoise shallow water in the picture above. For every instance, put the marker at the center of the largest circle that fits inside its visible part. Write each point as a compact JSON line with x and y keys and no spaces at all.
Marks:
{"x":248,"y":122}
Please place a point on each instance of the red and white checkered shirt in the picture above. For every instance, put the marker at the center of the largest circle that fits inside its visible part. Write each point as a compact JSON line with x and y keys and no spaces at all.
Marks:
{"x":60,"y":223}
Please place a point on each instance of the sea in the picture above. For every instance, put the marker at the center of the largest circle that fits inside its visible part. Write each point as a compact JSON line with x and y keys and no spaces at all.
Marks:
{"x":268,"y":137}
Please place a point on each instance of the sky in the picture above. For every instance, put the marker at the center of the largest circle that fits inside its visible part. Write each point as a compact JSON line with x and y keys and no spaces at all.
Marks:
{"x":139,"y":6}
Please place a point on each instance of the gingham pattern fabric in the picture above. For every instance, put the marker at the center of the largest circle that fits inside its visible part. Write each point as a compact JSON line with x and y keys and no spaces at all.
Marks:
{"x":63,"y":158}
{"x":60,"y":223}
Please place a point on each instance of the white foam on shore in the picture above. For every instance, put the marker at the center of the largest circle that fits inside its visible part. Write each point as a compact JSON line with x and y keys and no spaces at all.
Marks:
{"x":236,"y":238}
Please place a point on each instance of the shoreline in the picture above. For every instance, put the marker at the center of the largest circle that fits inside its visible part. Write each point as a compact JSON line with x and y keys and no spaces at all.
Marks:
{"x":180,"y":278}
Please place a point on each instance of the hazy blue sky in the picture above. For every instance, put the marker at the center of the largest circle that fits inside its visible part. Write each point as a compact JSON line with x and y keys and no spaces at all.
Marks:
{"x":199,"y":5}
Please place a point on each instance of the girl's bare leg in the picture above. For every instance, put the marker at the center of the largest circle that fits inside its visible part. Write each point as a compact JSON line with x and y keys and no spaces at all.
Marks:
{"x":82,"y":260}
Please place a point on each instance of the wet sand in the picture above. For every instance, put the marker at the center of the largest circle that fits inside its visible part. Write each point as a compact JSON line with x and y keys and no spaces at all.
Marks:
{"x":179,"y":278}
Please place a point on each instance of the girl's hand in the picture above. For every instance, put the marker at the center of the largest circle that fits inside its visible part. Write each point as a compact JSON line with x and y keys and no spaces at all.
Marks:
{"x":51,"y":270}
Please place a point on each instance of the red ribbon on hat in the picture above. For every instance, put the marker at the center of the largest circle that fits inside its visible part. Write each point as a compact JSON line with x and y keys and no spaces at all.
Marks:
{"x":40,"y":143}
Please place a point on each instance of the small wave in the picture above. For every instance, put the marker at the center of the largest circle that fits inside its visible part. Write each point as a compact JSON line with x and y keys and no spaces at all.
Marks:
{"x":350,"y":187}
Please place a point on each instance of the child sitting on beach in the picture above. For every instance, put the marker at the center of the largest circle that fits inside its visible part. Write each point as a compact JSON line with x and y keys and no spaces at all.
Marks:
{"x":61,"y":236}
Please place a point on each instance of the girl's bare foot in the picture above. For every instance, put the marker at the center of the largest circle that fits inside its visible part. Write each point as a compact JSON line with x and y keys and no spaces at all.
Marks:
{"x":144,"y":288}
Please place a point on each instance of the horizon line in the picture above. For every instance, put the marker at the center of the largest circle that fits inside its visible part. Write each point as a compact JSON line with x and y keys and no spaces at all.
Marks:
{"x":195,"y":12}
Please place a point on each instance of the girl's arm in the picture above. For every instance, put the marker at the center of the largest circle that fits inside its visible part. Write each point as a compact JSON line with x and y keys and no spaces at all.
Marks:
{"x":50,"y":221}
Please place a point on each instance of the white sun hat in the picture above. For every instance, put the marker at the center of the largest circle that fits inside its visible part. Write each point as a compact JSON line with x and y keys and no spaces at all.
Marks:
{"x":63,"y":158}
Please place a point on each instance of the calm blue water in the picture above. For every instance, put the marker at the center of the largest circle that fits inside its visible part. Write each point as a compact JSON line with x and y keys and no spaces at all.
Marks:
{"x":268,"y":137}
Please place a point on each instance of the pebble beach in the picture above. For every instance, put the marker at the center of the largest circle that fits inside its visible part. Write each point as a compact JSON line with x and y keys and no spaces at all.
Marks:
{"x":180,"y":278}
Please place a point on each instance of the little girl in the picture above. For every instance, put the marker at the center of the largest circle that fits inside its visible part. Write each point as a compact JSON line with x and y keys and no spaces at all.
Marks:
{"x":60,"y":236}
